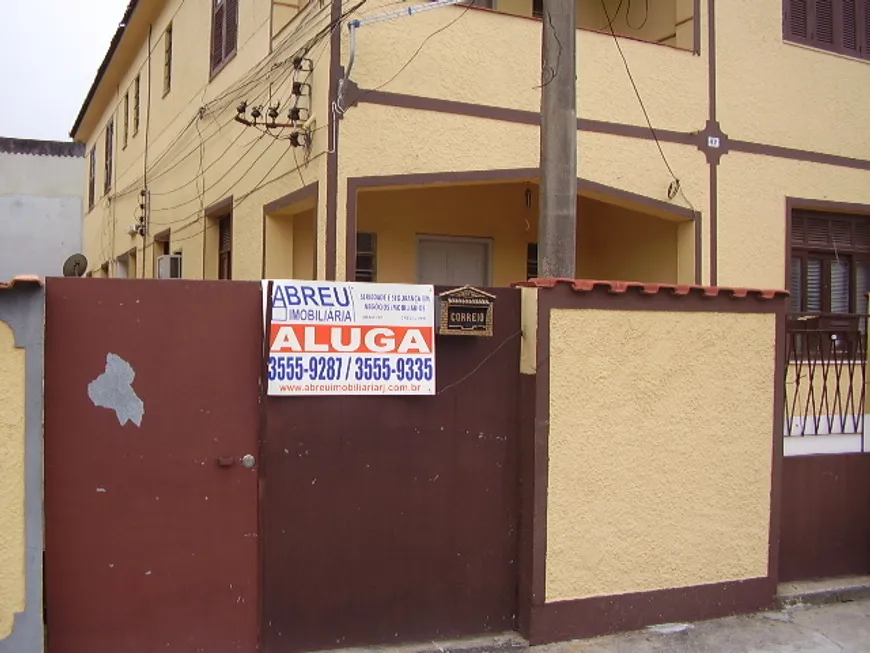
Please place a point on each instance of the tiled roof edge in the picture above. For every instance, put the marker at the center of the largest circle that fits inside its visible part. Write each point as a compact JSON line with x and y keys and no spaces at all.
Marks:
{"x":21,"y":279}
{"x":41,"y":148}
{"x":588,"y":285}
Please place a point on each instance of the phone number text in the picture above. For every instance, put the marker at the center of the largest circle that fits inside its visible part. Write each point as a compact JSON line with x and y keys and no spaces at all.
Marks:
{"x":358,"y":368}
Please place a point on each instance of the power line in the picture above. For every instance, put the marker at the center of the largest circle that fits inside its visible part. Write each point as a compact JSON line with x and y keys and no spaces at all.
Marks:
{"x":678,"y":188}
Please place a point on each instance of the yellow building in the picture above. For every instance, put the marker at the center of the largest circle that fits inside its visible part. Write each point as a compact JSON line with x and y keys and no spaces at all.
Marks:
{"x":420,"y":165}
{"x":373,"y":140}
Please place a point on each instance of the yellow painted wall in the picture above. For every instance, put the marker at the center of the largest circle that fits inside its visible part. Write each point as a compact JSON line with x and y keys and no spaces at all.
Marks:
{"x":466,"y":62}
{"x":653,"y":483}
{"x":290,"y":247}
{"x":613,"y":242}
{"x":12,"y":447}
{"x":752,"y":218}
{"x":774,"y":92}
{"x":196,"y":160}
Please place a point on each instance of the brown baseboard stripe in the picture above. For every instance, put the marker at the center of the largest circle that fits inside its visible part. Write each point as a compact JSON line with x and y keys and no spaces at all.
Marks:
{"x":583,"y":618}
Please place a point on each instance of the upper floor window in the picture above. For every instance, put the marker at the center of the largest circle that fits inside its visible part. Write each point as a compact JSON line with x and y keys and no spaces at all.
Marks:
{"x":126,"y":125}
{"x":841,"y":26}
{"x":92,"y":177}
{"x":136,"y":85}
{"x":225,"y":246}
{"x":224,"y":32}
{"x":110,"y":144}
{"x":167,"y":60}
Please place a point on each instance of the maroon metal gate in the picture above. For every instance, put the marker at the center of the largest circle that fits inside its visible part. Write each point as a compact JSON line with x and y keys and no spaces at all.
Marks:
{"x":394,"y":519}
{"x":151,"y":401}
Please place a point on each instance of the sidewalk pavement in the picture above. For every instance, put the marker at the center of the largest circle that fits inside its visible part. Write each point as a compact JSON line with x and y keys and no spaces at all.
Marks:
{"x":834,"y":628}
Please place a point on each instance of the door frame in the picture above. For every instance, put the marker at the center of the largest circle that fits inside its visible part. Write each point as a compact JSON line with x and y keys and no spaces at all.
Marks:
{"x":484,"y":240}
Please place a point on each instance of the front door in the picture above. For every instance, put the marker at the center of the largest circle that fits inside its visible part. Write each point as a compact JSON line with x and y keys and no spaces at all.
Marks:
{"x":445,"y":261}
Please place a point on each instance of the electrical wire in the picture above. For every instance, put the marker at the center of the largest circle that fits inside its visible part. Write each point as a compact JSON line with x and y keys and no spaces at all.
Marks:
{"x":419,"y":49}
{"x":255,"y":71}
{"x":219,"y":157}
{"x":679,"y":188}
{"x":237,"y":201}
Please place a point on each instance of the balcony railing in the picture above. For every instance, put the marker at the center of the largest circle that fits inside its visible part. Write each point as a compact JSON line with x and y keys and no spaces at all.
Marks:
{"x":825,"y":374}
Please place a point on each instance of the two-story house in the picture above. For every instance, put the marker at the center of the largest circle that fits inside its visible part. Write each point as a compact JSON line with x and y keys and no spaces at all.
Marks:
{"x":719,"y":143}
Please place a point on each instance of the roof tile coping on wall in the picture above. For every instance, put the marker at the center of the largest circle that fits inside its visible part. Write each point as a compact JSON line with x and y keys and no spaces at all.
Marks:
{"x":21,"y":279}
{"x":41,"y":148}
{"x":589,"y":285}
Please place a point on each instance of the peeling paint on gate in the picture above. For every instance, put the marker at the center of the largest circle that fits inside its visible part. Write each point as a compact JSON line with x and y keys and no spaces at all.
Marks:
{"x":113,"y":389}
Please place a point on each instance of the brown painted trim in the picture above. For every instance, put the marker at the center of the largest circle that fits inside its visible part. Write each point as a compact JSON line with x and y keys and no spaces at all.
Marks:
{"x":525,"y":570}
{"x":335,"y":73}
{"x":714,"y":224}
{"x":219,"y":208}
{"x":699,"y":228}
{"x":748,"y":147}
{"x":697,"y":27}
{"x":567,"y":620}
{"x":304,"y":193}
{"x":776,"y":467}
{"x":789,"y":207}
{"x":355,"y":184}
{"x":264,"y":429}
{"x":518,"y":116}
{"x":490,"y":112}
{"x":711,"y":57}
{"x":827,"y":205}
{"x":541,"y":463}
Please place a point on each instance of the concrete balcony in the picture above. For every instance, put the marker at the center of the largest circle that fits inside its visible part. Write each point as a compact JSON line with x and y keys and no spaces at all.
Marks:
{"x":491,"y":57}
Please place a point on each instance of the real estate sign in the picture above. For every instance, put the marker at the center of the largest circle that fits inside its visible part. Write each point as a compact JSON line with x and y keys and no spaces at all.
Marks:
{"x":336,"y":338}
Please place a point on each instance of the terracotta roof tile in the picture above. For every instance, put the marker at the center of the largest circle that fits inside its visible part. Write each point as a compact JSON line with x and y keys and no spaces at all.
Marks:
{"x":19,"y":279}
{"x":588,"y":285}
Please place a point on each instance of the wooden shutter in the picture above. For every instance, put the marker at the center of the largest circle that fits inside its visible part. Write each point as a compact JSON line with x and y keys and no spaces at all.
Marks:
{"x":231,"y":29}
{"x":841,"y":291}
{"x":795,"y":23}
{"x":217,"y":34}
{"x":839,"y":25}
{"x":815,"y":282}
{"x":92,"y":176}
{"x":822,"y":32}
{"x":796,"y":286}
{"x":110,"y":134}
{"x":225,"y":247}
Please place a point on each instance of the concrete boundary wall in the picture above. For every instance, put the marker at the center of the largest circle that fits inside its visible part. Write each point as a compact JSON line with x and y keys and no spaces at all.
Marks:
{"x":22,"y":306}
{"x":651,"y":481}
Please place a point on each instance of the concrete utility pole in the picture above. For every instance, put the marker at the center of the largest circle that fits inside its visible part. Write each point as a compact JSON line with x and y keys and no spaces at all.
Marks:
{"x":557,"y":220}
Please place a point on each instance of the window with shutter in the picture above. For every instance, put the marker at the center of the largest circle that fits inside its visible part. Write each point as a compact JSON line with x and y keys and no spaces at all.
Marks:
{"x":842,"y":26}
{"x":167,"y":60}
{"x":225,"y":247}
{"x":830,"y":263}
{"x":366,"y":257}
{"x":136,"y":84}
{"x":224,"y":32}
{"x":109,"y":145}
{"x":92,"y":177}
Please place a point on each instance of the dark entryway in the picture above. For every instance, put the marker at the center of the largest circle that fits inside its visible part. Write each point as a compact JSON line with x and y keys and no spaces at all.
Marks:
{"x":394,"y":519}
{"x":151,"y":525}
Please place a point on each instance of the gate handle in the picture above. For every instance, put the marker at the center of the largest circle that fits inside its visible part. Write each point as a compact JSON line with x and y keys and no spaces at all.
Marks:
{"x":225,"y":461}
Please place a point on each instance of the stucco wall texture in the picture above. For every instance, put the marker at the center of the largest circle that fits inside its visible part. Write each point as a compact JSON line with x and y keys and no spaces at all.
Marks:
{"x":12,"y":448}
{"x":196,"y":160}
{"x":654,"y":481}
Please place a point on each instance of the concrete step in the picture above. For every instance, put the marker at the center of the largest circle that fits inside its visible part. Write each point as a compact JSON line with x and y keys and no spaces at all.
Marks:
{"x":823,"y":592}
